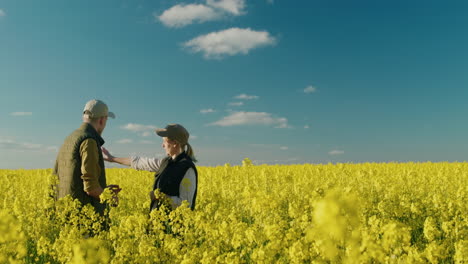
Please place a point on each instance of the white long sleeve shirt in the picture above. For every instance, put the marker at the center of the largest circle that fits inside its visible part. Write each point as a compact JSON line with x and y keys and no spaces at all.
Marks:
{"x":187,"y":187}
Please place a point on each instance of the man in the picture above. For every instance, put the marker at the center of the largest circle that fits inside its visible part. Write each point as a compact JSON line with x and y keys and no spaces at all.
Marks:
{"x":80,"y":164}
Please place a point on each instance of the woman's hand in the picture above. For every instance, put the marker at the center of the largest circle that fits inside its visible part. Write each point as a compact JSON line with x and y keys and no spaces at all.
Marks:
{"x":106,"y":155}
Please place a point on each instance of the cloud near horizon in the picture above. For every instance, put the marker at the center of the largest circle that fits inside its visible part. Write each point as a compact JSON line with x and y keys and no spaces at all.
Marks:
{"x":310,"y":89}
{"x":245,"y":97}
{"x":52,"y":148}
{"x":142,"y":130}
{"x":276,"y":161}
{"x":125,"y":141}
{"x":206,"y":111}
{"x":21,"y":114}
{"x":138,"y":127}
{"x":147,"y":142}
{"x":23,"y":146}
{"x":185,"y":14}
{"x":236,"y":104}
{"x":336,"y":152}
{"x":251,"y":118}
{"x":2,"y":13}
{"x":229,"y":42}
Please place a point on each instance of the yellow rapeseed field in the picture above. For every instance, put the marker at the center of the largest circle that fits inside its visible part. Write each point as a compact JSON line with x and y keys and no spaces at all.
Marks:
{"x":343,"y":213}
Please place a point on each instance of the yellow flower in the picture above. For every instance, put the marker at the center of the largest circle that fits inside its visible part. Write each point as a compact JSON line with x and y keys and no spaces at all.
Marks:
{"x":332,"y":213}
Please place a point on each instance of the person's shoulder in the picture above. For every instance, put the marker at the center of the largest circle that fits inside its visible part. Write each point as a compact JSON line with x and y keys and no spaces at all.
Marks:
{"x":89,"y":140}
{"x":187,"y":162}
{"x":89,"y":143}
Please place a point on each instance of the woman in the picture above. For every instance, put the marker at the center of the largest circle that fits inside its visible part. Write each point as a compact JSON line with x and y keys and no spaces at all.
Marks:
{"x":176,"y":175}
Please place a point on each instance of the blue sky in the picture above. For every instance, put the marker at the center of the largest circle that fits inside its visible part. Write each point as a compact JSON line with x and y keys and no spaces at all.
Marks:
{"x":276,"y":81}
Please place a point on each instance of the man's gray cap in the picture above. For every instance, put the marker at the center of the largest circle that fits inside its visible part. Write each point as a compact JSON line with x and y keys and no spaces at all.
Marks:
{"x":96,"y":109}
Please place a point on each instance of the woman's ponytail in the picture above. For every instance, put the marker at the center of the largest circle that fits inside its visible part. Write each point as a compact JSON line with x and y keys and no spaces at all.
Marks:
{"x":191,"y":153}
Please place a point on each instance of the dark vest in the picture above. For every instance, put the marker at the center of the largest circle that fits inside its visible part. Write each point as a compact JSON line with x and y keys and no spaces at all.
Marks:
{"x":68,"y":167}
{"x":168,"y":181}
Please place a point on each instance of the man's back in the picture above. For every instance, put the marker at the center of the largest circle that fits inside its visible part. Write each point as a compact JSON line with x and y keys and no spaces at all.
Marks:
{"x":69,"y":165}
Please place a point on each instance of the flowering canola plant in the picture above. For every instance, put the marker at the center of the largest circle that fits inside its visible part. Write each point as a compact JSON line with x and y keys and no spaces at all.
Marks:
{"x":342,"y":213}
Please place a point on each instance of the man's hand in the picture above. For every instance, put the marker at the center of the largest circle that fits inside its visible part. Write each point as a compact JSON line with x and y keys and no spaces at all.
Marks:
{"x":96,"y":192}
{"x":115,"y":189}
{"x":106,"y":155}
{"x":151,"y":195}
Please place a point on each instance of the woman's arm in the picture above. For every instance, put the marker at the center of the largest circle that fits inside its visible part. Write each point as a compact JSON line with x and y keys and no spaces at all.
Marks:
{"x":108,"y":157}
{"x":136,"y":162}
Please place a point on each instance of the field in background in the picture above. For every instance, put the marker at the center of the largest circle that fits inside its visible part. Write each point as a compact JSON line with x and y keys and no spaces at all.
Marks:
{"x":344,"y":213}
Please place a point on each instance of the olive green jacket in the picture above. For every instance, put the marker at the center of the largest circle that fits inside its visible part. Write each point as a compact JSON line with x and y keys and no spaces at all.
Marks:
{"x":72,"y":161}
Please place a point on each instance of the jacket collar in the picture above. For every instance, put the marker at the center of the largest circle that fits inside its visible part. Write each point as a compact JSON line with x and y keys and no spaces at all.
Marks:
{"x":179,"y":157}
{"x":90,"y":129}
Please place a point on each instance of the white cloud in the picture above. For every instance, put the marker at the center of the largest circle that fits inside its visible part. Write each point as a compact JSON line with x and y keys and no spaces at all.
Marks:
{"x":270,"y":1}
{"x":142,"y":130}
{"x":234,"y":7}
{"x":124,"y":141}
{"x":206,"y":111}
{"x":310,"y":89}
{"x":146,"y":134}
{"x":21,"y":114}
{"x":261,"y":145}
{"x":276,"y":161}
{"x":31,"y":145}
{"x":182,"y":15}
{"x":138,"y":127}
{"x":269,"y":147}
{"x":193,"y":137}
{"x":336,"y":152}
{"x":252,"y":118}
{"x":52,"y":148}
{"x":236,"y":104}
{"x":306,"y":127}
{"x":246,"y":97}
{"x":25,"y":146}
{"x":146,"y":142}
{"x":2,"y":13}
{"x":229,"y":42}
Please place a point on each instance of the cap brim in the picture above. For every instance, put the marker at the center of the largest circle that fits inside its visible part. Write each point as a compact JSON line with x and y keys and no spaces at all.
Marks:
{"x":161,"y":132}
{"x":111,"y":115}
